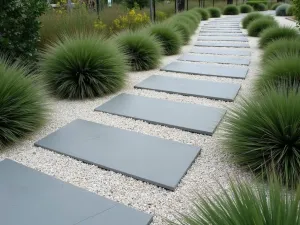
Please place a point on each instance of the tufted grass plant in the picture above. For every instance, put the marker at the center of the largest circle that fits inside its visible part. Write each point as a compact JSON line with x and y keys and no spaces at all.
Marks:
{"x":203,"y":12}
{"x":246,"y":8}
{"x":257,"y":26}
{"x":249,"y":18}
{"x":144,"y":51}
{"x":274,"y":33}
{"x":231,"y":10}
{"x":274,"y":7}
{"x":83,"y":66}
{"x":22,"y":102}
{"x":214,"y":12}
{"x":281,"y":9}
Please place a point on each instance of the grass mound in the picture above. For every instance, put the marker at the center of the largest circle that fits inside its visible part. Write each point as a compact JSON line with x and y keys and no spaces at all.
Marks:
{"x":246,"y":8}
{"x":231,"y":10}
{"x":290,"y":10}
{"x":249,"y":18}
{"x":261,"y":7}
{"x":275,"y":33}
{"x":257,"y":26}
{"x":168,"y":36}
{"x":274,"y":7}
{"x":280,"y":48}
{"x":22,"y":102}
{"x":203,"y":12}
{"x":245,"y":203}
{"x":263,"y":134}
{"x":183,"y":28}
{"x":214,"y":12}
{"x":281,"y":9}
{"x":83,"y":66}
{"x":143,"y":50}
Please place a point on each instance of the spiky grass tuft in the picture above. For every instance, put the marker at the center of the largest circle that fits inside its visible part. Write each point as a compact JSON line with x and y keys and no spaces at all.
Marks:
{"x":257,"y":26}
{"x":22,"y":102}
{"x":231,"y":10}
{"x":214,"y":12}
{"x":182,"y":28}
{"x":263,"y":133}
{"x":274,"y":7}
{"x":83,"y":66}
{"x":249,"y":18}
{"x":281,"y":9}
{"x":246,"y":8}
{"x":144,"y":51}
{"x":280,"y":48}
{"x":274,"y":33}
{"x":168,"y":36}
{"x":203,"y":12}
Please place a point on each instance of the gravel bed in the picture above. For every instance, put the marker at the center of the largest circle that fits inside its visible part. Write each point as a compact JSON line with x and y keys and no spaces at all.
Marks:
{"x":211,"y":166}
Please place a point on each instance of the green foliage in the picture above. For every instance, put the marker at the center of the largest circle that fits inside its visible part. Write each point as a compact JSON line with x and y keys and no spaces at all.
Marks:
{"x":249,"y":18}
{"x":258,"y":5}
{"x":231,"y":10}
{"x":280,"y":48}
{"x":280,"y":70}
{"x":83,"y":66}
{"x":289,"y":10}
{"x":281,"y":10}
{"x":261,"y":7}
{"x":296,"y":11}
{"x":274,"y":7}
{"x":214,"y":12}
{"x":19,"y":27}
{"x":133,"y":3}
{"x":203,"y":12}
{"x":168,"y":36}
{"x":245,"y":203}
{"x":190,"y":23}
{"x":183,"y":28}
{"x":144,"y":51}
{"x":246,"y":8}
{"x":22,"y":102}
{"x":275,"y":33}
{"x":257,"y":26}
{"x":263,"y":134}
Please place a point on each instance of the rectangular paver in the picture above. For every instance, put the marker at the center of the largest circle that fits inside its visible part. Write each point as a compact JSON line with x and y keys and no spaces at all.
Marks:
{"x":198,"y":88}
{"x":222,"y":44}
{"x":215,"y":59}
{"x":207,"y":69}
{"x":221,"y":51}
{"x":222,"y":38}
{"x":29,"y":197}
{"x":222,"y":34}
{"x":220,"y":31}
{"x":185,"y":116}
{"x":125,"y":152}
{"x":221,"y":28}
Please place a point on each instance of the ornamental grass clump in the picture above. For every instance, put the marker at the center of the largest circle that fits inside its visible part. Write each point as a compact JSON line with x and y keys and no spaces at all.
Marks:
{"x":83,"y":66}
{"x":263,"y":133}
{"x":246,"y":8}
{"x":249,"y":18}
{"x":203,"y":12}
{"x":281,"y":70}
{"x":274,"y":7}
{"x":170,"y":39}
{"x":231,"y":10}
{"x":214,"y":12}
{"x":245,"y":203}
{"x":274,"y":33}
{"x":282,"y":47}
{"x":281,"y":9}
{"x":257,"y":26}
{"x":144,"y":51}
{"x":22,"y":102}
{"x":183,"y":28}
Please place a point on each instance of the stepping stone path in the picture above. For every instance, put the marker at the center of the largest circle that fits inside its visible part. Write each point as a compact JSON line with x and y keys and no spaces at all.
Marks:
{"x":31,"y":197}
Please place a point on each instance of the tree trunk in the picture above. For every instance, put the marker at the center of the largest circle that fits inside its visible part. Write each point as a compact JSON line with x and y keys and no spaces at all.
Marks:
{"x":180,"y":5}
{"x":229,"y":2}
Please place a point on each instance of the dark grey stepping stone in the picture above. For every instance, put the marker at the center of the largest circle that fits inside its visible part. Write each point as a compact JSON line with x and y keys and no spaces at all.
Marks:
{"x":221,"y":38}
{"x":198,"y":88}
{"x":221,"y":51}
{"x":29,"y":197}
{"x":207,"y":69}
{"x":215,"y":59}
{"x":190,"y":117}
{"x":222,"y":34}
{"x":222,"y":28}
{"x":218,"y":31}
{"x":222,"y":44}
{"x":125,"y":152}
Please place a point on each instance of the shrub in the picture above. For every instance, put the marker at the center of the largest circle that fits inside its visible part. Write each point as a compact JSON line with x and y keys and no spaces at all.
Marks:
{"x":83,"y":66}
{"x":22,"y":102}
{"x":144,"y":51}
{"x":203,"y":12}
{"x":191,"y":24}
{"x":296,"y":11}
{"x":246,"y":8}
{"x":289,"y":10}
{"x":231,"y":10}
{"x":280,"y":70}
{"x":261,"y":7}
{"x":274,"y":7}
{"x":249,"y":18}
{"x":19,"y":27}
{"x":245,"y":203}
{"x":257,"y":26}
{"x":192,"y":17}
{"x":161,"y":16}
{"x":280,"y":48}
{"x":274,"y":33}
{"x":258,"y":5}
{"x":263,"y":133}
{"x":183,"y":29}
{"x":214,"y":12}
{"x":168,"y":36}
{"x":281,"y":10}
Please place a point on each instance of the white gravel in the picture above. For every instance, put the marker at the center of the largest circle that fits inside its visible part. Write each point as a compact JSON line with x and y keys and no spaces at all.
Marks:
{"x":211,"y":166}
